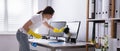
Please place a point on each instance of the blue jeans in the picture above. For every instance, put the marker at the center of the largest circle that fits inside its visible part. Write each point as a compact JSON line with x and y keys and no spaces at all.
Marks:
{"x":23,"y":41}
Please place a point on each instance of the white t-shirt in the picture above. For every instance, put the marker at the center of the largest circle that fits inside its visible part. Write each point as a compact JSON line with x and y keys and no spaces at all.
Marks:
{"x":37,"y":20}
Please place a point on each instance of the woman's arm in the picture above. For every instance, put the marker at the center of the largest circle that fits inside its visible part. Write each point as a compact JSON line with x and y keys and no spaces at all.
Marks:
{"x":55,"y":30}
{"x":48,"y":26}
{"x":27,"y":24}
{"x":29,"y":31}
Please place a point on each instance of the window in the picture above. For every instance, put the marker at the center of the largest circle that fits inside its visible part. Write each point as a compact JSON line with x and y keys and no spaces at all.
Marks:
{"x":14,"y":13}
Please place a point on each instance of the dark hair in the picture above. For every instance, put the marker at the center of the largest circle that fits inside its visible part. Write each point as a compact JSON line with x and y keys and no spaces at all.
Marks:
{"x":47,"y":10}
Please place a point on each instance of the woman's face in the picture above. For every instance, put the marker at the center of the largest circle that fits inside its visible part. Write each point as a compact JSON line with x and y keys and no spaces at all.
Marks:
{"x":47,"y":16}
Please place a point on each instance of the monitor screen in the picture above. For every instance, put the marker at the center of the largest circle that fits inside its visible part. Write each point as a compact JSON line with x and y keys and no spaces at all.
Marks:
{"x":57,"y":25}
{"x":74,"y":28}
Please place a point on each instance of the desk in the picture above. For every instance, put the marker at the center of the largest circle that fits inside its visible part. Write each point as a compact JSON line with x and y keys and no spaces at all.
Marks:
{"x":60,"y":45}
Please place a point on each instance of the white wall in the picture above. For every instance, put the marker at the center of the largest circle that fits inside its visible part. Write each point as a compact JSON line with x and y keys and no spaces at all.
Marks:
{"x":71,"y":10}
{"x":42,"y":4}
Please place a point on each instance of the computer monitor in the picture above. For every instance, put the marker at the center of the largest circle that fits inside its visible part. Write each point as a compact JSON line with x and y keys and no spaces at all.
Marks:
{"x":74,"y":27}
{"x":58,"y":25}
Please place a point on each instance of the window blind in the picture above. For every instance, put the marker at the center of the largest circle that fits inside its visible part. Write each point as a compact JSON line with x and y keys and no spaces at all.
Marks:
{"x":18,"y":13}
{"x":2,"y":15}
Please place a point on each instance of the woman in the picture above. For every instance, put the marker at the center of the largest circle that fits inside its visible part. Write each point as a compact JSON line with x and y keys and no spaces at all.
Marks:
{"x":28,"y":29}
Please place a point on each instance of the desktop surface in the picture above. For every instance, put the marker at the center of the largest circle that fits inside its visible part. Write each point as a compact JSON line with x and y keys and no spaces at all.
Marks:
{"x":52,"y":43}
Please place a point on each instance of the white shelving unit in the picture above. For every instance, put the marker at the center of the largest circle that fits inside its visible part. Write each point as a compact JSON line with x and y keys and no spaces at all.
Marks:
{"x":94,"y":20}
{"x":110,"y":20}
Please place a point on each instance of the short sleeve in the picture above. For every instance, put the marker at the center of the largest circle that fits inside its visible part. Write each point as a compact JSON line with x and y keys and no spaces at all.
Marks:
{"x":36,"y":19}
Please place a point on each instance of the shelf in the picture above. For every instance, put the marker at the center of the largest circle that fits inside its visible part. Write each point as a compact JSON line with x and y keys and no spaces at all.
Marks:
{"x":115,"y":19}
{"x":96,"y":20}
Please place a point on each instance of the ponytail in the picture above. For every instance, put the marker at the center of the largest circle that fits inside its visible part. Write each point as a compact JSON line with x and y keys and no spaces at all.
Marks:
{"x":39,"y":12}
{"x":47,"y":10}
